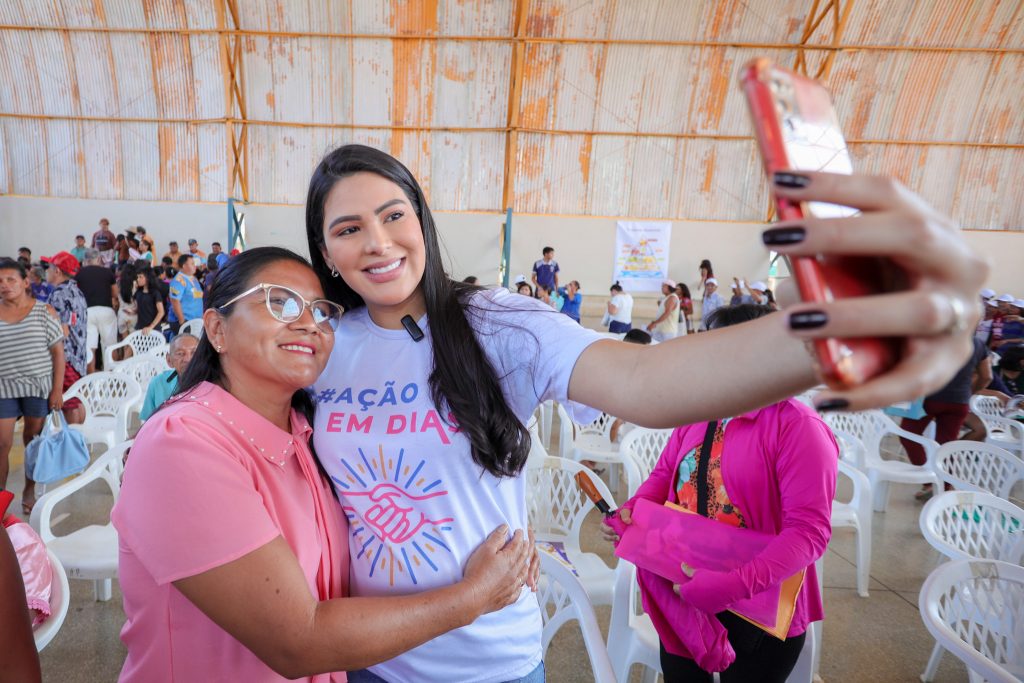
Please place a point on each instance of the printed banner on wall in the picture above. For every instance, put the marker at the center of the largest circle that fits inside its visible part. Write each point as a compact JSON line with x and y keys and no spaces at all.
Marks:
{"x":641,"y":255}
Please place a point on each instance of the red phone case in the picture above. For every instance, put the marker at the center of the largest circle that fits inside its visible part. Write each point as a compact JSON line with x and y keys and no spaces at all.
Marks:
{"x":780,"y":99}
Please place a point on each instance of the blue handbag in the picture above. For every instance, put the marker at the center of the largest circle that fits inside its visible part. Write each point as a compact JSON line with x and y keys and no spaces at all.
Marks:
{"x":57,"y":453}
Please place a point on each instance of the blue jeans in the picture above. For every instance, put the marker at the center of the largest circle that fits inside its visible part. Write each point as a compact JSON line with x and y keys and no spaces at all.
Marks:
{"x":367,"y":676}
{"x":619,"y":328}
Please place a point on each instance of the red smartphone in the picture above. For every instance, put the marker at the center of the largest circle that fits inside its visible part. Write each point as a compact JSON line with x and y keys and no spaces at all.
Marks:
{"x":797,"y":129}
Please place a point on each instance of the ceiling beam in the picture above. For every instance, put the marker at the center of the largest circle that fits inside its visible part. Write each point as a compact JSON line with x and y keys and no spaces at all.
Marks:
{"x":529,"y":40}
{"x":235,"y":115}
{"x":515,"y":90}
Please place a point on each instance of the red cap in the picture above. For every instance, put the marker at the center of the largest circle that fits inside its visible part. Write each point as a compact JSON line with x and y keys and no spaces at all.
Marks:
{"x":235,"y":252}
{"x":64,"y":261}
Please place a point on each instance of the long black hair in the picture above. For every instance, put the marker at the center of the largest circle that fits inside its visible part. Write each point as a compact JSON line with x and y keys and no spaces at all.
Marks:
{"x":150,"y":275}
{"x":463,"y":379}
{"x":126,"y":283}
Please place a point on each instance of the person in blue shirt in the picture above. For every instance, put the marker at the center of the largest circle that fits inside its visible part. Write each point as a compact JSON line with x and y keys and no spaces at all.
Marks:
{"x":572,"y":300}
{"x":222,"y":258}
{"x":79,"y":249}
{"x":186,"y":294}
{"x":545,"y":271}
{"x":163,"y":386}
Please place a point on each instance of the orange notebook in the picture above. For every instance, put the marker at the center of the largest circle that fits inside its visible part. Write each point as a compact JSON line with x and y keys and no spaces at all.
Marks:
{"x":662,"y":537}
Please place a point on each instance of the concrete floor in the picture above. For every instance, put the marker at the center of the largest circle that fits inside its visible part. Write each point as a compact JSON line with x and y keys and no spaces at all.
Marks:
{"x":875,"y":639}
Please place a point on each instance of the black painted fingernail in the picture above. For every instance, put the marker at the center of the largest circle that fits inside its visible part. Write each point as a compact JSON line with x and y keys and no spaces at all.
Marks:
{"x":833,"y":404}
{"x":807,"y":320}
{"x":774,"y":237}
{"x":790,"y":179}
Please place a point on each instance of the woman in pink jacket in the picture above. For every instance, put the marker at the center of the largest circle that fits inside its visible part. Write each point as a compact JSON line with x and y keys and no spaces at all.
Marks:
{"x":772,"y":470}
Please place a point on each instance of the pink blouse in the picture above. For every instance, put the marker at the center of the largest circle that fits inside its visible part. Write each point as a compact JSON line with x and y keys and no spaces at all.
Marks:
{"x":208,"y":481}
{"x":779,"y":466}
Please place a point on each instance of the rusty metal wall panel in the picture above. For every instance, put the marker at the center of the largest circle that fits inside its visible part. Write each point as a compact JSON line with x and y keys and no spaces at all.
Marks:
{"x":991,"y":192}
{"x":211,"y":140}
{"x":207,"y":77}
{"x":133,"y":67}
{"x":933,"y":96}
{"x":99,"y":163}
{"x":64,"y":145}
{"x":140,"y":159}
{"x":93,"y":77}
{"x":966,"y":23}
{"x":27,"y":155}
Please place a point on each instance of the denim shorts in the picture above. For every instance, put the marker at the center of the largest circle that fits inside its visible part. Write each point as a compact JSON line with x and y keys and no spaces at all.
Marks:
{"x":367,"y":676}
{"x":29,"y":406}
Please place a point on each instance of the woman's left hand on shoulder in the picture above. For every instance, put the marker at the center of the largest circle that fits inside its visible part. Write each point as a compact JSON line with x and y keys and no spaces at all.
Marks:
{"x":937,"y":315}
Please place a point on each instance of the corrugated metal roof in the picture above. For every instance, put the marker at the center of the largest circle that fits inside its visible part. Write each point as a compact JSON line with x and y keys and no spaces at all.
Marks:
{"x":122,"y":99}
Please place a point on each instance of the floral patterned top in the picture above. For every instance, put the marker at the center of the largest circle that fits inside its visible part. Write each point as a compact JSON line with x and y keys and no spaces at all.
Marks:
{"x":69,"y":302}
{"x":720,"y":508}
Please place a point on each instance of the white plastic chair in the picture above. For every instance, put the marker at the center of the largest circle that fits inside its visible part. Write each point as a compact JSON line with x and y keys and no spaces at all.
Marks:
{"x":641,"y":448}
{"x":193,"y":327}
{"x":966,"y":525}
{"x":60,"y":598}
{"x":631,"y":635}
{"x":138,"y":342}
{"x":89,"y":553}
{"x":855,"y":513}
{"x":563,"y":598}
{"x":590,"y":442}
{"x":108,"y":398}
{"x":870,"y":428}
{"x":975,"y":610}
{"x":557,"y":508}
{"x":143,"y":369}
{"x":977,"y":466}
{"x":1002,"y":431}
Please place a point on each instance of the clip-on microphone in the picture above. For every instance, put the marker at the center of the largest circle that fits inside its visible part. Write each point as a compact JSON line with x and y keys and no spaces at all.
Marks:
{"x":412,"y":328}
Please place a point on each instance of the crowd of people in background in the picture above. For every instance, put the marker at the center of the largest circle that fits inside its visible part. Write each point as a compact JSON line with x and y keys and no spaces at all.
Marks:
{"x":58,"y":315}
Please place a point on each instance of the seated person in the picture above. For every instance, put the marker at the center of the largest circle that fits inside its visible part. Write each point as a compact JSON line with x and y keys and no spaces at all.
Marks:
{"x":164,"y":385}
{"x":772,"y":469}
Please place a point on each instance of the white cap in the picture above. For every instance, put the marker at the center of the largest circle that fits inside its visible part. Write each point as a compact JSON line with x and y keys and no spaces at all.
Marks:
{"x":1006,"y":298}
{"x":988,"y":293}
{"x":1019,"y":303}
{"x":737,"y":284}
{"x":670,"y":283}
{"x":519,"y":278}
{"x":759,"y":286}
{"x":992,"y":302}
{"x":711,"y":281}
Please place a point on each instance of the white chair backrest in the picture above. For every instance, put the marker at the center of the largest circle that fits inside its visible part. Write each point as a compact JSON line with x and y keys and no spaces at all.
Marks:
{"x":107,"y":467}
{"x":144,"y":343}
{"x":160,"y":352}
{"x":555,"y":503}
{"x":143,"y":368}
{"x":966,"y":525}
{"x":866,"y":426}
{"x":977,"y":466}
{"x":563,"y":598}
{"x":851,"y":449}
{"x":193,"y":327}
{"x":105,"y":393}
{"x":986,"y":406}
{"x":643,"y":446}
{"x":975,"y":609}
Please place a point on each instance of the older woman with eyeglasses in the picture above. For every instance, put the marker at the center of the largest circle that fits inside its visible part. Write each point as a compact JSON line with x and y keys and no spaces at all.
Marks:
{"x":234,"y":552}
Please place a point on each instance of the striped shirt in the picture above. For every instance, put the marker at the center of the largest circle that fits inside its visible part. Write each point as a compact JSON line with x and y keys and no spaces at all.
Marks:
{"x":26,"y":367}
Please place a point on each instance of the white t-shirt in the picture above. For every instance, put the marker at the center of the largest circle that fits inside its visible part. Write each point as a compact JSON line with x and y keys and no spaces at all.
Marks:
{"x":418,"y":506}
{"x":624,"y":308}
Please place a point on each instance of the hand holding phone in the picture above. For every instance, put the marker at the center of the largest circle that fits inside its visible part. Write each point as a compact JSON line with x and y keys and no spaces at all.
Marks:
{"x":797,"y":130}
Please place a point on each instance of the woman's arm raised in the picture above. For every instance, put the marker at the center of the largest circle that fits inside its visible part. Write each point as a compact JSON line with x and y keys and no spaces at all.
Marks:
{"x":263,"y":600}
{"x":713,"y":375}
